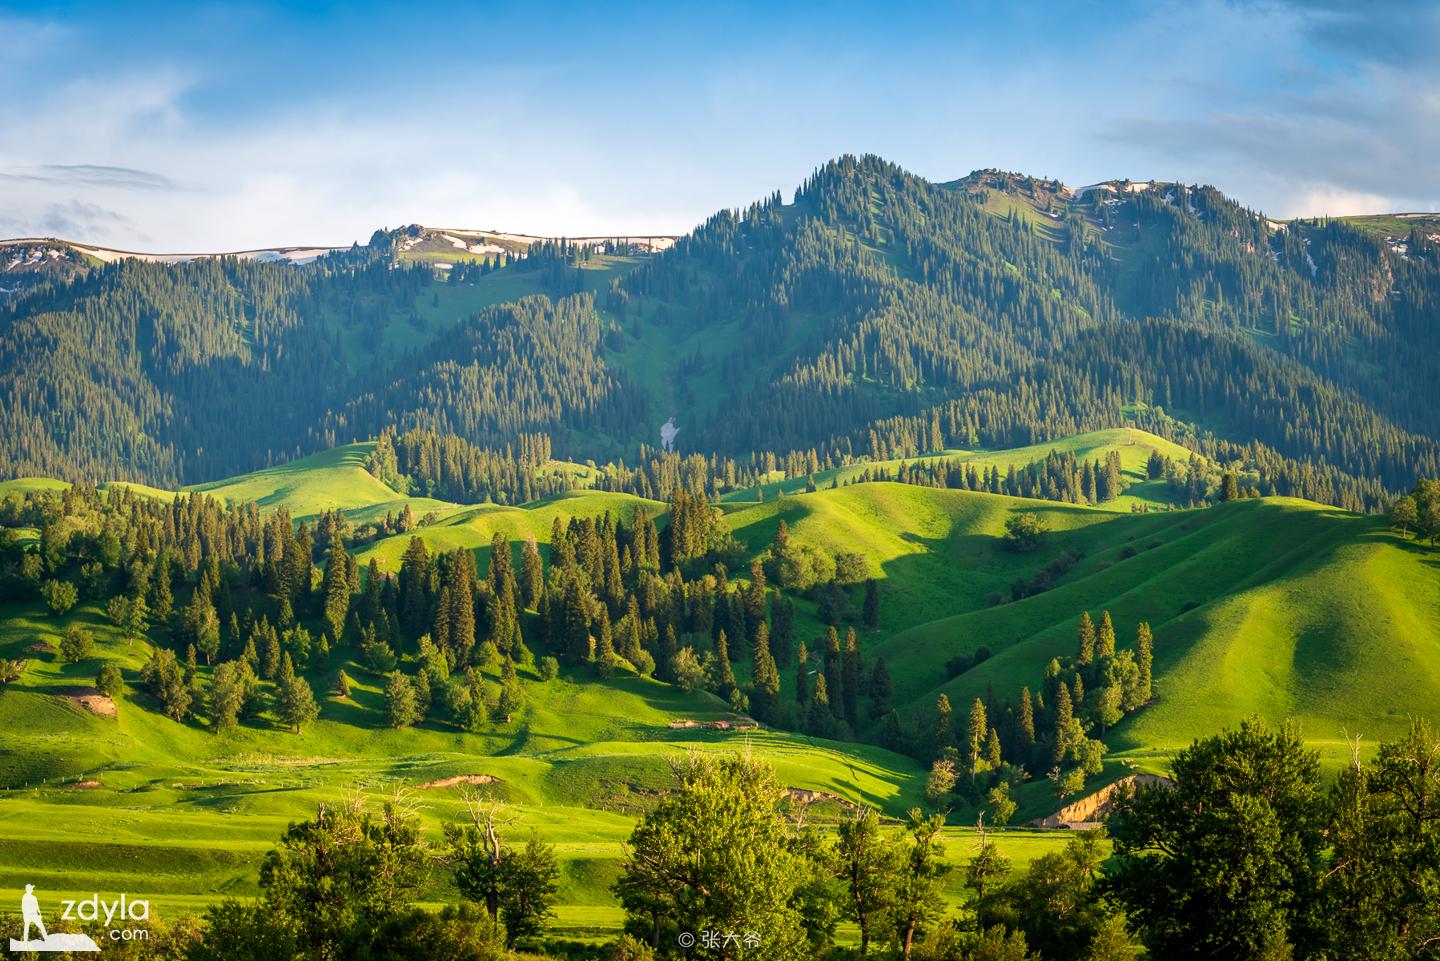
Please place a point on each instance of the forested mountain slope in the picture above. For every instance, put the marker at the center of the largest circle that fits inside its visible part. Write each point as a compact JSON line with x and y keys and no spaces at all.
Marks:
{"x":878,"y":314}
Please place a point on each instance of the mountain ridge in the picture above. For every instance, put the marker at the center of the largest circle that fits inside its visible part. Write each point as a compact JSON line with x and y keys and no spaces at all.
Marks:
{"x":878,"y":315}
{"x":976,"y":178}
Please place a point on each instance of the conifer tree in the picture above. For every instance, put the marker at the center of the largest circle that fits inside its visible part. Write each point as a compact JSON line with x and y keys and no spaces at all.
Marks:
{"x":137,"y":618}
{"x":162,"y":599}
{"x":1087,"y":640}
{"x":802,"y":676}
{"x":754,"y":599}
{"x":630,"y":645}
{"x":413,"y":602}
{"x":532,"y":574}
{"x":820,"y":719}
{"x":765,"y":686}
{"x":336,"y":588}
{"x":294,"y":701}
{"x":669,"y":649}
{"x":1145,"y":659}
{"x":724,"y":680}
{"x":462,"y":604}
{"x":440,"y":628}
{"x":975,"y":738}
{"x":575,"y":624}
{"x":1064,"y":714}
{"x":400,"y":707}
{"x":1025,"y":726}
{"x":512,"y":695}
{"x":834,"y":673}
{"x":1229,"y":489}
{"x":942,"y":729}
{"x":993,"y":752}
{"x":870,"y":614}
{"x":1105,"y":637}
{"x":881,"y":690}
{"x":737,"y":621}
{"x":273,"y":661}
{"x":782,"y":631}
{"x":605,"y":647}
{"x":850,"y":676}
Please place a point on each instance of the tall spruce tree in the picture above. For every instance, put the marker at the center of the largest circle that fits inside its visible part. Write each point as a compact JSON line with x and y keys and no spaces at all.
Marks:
{"x":850,"y":678}
{"x":1086,"y":640}
{"x":834,"y":673}
{"x":1145,"y":660}
{"x":1105,"y":637}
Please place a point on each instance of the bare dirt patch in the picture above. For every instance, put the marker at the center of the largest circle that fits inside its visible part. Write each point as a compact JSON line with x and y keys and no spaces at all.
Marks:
{"x":90,"y":699}
{"x":1090,"y":810}
{"x":803,"y":797}
{"x":461,"y":779}
{"x":84,"y":785}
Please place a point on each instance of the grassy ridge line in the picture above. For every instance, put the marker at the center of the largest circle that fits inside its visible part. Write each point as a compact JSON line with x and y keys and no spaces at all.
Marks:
{"x":1133,"y":445}
{"x":474,"y":527}
{"x":332,"y":480}
{"x":337,"y":479}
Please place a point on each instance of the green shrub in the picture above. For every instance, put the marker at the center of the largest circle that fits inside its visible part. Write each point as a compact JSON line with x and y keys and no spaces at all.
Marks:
{"x":77,"y":645}
{"x":59,"y":596}
{"x":109,"y":681}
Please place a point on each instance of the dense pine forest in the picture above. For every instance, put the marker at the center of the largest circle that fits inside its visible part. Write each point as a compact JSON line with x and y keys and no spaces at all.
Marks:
{"x":875,"y":315}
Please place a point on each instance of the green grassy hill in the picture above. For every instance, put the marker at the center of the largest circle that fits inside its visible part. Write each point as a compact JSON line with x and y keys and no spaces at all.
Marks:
{"x":334,"y":480}
{"x":137,"y":802}
{"x":1272,"y":606}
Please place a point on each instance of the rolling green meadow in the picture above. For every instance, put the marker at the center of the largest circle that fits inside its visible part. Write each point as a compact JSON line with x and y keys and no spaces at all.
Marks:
{"x":1270,"y":606}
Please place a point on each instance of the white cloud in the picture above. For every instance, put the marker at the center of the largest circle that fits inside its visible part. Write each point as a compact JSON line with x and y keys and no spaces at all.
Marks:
{"x":1328,"y":200}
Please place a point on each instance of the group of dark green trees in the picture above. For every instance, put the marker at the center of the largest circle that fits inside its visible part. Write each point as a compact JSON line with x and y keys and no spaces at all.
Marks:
{"x":249,"y":613}
{"x":981,"y":754}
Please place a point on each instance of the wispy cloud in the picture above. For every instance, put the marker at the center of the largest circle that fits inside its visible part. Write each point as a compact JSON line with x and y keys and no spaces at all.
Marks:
{"x":24,"y":39}
{"x":1330,"y":107}
{"x":93,"y":175}
{"x":68,"y":220}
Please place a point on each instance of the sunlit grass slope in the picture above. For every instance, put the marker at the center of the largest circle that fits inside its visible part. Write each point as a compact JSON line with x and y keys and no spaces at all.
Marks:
{"x":333,"y":480}
{"x":1275,"y":607}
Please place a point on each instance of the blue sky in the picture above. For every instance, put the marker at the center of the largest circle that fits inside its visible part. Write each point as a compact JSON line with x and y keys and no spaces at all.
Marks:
{"x":204,"y":127}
